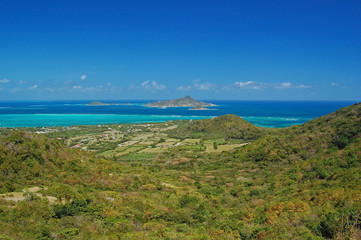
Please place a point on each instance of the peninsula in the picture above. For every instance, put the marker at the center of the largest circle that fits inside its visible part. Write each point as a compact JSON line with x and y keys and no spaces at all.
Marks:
{"x":181,"y":102}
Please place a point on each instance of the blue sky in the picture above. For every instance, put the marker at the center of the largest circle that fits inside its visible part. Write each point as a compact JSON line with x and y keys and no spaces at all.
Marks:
{"x":246,"y":50}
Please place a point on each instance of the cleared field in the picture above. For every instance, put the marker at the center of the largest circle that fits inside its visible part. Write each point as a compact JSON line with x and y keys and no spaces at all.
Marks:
{"x":152,"y":150}
{"x":146,"y":143}
{"x":222,"y":148}
{"x":169,"y":128}
{"x":139,"y":156}
{"x":26,"y":194}
{"x":142,"y":137}
{"x":108,"y":154}
{"x":105,"y":140}
{"x":129,"y":143}
{"x":190,"y":141}
{"x":129,"y":150}
{"x":171,"y":140}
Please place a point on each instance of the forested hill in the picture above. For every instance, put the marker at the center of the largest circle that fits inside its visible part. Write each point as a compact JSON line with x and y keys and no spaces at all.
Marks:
{"x":227,"y":126}
{"x":319,"y":137}
{"x":28,"y":159}
{"x":316,"y":169}
{"x":301,"y":182}
{"x":339,"y":128}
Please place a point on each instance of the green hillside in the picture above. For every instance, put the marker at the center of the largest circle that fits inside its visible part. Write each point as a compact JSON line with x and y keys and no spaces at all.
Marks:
{"x":302,"y":182}
{"x":27,"y":159}
{"x":229,"y":126}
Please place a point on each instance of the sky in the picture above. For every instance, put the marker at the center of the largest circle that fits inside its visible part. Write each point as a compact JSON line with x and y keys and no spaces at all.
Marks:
{"x":231,"y":50}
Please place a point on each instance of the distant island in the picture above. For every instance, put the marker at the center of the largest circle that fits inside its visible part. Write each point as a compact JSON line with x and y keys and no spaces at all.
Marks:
{"x":106,"y":104}
{"x":100,"y":104}
{"x":181,"y":102}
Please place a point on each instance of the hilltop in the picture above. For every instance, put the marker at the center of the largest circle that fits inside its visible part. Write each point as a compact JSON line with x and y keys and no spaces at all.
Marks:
{"x":227,"y":126}
{"x":180,"y":102}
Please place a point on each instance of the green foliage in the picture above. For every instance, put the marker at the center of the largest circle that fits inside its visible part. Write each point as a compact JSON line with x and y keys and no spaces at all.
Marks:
{"x":329,"y":225}
{"x":227,"y":126}
{"x":77,"y":206}
{"x":188,"y":201}
{"x":302,"y":182}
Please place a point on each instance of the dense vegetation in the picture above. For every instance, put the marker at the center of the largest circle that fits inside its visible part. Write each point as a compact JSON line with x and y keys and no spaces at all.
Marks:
{"x":302,"y":182}
{"x":228,"y":126}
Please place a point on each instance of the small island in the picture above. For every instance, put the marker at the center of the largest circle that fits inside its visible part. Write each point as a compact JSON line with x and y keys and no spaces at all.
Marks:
{"x":182,"y":102}
{"x":101,"y":104}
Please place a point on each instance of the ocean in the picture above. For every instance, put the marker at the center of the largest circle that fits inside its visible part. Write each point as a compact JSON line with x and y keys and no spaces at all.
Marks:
{"x":273,"y":114}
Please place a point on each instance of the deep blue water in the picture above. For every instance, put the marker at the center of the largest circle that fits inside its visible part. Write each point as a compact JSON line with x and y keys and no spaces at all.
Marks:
{"x":67,"y":113}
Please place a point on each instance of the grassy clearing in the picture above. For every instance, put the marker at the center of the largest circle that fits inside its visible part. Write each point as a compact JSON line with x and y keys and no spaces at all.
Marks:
{"x":139,"y":156}
{"x":129,"y":143}
{"x":29,"y":193}
{"x":153,"y":150}
{"x":222,"y":148}
{"x":171,"y":140}
{"x":147,"y":143}
{"x":108,"y":154}
{"x":142,"y":137}
{"x":191,"y":141}
{"x":130,"y":150}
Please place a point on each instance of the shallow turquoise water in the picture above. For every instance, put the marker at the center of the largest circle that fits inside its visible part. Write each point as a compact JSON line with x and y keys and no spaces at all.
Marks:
{"x":67,"y":113}
{"x":36,"y":120}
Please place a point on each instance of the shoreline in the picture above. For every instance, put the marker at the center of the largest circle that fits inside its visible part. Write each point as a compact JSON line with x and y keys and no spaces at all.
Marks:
{"x":66,"y":120}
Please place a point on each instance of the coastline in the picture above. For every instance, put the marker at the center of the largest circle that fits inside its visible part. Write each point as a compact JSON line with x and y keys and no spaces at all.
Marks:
{"x":65,"y":120}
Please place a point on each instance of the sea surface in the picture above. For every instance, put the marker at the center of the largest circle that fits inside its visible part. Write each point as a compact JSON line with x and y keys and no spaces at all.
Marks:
{"x":68,"y":113}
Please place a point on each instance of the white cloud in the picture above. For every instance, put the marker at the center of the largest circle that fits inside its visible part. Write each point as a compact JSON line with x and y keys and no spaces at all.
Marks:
{"x":244,"y":84}
{"x":22,"y":82}
{"x":197,"y":85}
{"x":290,"y":85}
{"x":184,"y":88}
{"x":334,"y":84}
{"x":157,"y":86}
{"x":251,"y":85}
{"x":284,"y":85}
{"x":83,"y":77}
{"x":145,"y":84}
{"x":152,"y":85}
{"x":303,"y":86}
{"x":33,"y":87}
{"x":100,"y":88}
{"x":50,"y":89}
{"x":204,"y":86}
{"x":97,"y":88}
{"x":259,"y":85}
{"x":4,"y":80}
